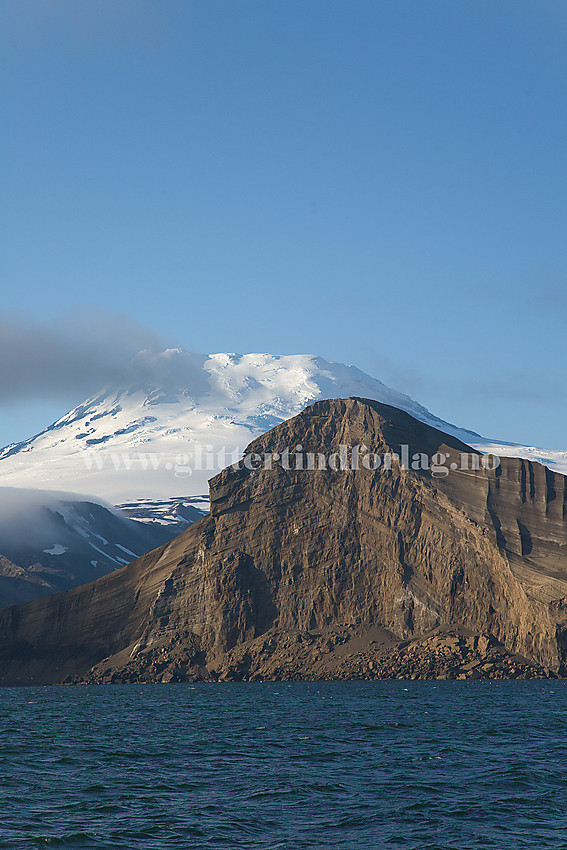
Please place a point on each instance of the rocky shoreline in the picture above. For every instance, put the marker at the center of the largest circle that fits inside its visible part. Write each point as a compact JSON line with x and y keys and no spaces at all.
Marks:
{"x":335,"y":654}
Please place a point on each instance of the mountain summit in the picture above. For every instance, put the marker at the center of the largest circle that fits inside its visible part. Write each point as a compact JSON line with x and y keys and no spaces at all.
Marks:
{"x":160,"y":435}
{"x":179,"y":418}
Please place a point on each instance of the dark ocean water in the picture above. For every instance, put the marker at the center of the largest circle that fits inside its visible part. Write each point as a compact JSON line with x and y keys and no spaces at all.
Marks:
{"x":334,"y":765}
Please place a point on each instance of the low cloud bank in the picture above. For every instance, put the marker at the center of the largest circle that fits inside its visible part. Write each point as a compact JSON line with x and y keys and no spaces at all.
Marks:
{"x":83,"y":352}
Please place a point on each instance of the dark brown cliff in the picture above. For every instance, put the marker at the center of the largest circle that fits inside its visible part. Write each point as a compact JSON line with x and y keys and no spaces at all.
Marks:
{"x":326,"y":572}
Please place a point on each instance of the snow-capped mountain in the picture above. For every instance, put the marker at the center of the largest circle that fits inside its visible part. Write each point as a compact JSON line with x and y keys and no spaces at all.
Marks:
{"x":184,"y":417}
{"x":149,"y":440}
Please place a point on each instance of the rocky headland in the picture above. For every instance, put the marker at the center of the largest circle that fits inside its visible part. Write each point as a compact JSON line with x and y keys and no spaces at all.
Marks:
{"x":327,"y":573}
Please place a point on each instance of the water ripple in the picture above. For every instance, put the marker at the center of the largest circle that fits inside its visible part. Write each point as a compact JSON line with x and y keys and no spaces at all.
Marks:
{"x":355,"y":766}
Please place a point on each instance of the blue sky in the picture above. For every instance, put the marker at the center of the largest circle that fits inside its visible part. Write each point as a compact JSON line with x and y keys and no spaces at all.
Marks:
{"x":381,"y":183}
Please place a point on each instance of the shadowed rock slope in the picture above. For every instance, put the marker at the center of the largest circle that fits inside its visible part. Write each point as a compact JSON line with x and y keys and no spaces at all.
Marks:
{"x":50,"y":542}
{"x":327,"y":573}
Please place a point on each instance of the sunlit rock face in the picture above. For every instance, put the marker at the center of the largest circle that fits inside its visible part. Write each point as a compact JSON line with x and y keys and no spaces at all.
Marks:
{"x":295,"y":569}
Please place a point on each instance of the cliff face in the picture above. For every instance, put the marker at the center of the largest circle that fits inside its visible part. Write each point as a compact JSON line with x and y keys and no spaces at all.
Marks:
{"x":323,"y":571}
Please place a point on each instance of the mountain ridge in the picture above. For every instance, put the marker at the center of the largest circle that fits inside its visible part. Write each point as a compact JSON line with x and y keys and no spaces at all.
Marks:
{"x":141,"y":441}
{"x":52,"y":541}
